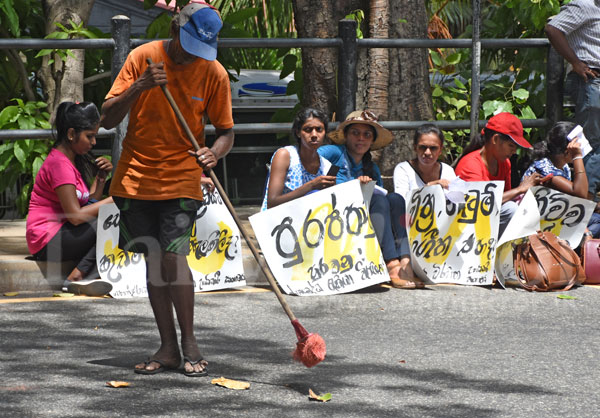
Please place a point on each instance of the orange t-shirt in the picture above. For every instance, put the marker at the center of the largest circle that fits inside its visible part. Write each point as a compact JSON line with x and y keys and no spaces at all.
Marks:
{"x":154,"y":162}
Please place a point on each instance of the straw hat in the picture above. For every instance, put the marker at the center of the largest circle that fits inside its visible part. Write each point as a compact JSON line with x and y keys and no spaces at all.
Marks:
{"x":365,"y":117}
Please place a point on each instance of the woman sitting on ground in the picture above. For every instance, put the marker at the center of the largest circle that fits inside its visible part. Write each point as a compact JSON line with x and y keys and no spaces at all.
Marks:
{"x":553,"y":156}
{"x":297,"y":170}
{"x":61,"y":225}
{"x":359,"y":134}
{"x":487,"y":158}
{"x":424,"y":169}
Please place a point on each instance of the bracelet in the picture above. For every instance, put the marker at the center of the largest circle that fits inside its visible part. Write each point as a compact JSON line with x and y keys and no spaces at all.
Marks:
{"x":579,"y":157}
{"x":579,"y":172}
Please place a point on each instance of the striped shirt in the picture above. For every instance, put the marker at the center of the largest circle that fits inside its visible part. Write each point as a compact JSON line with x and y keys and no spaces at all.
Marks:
{"x":580,"y":22}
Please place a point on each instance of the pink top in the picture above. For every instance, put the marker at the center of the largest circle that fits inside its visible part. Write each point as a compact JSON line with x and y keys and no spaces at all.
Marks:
{"x":46,"y":214}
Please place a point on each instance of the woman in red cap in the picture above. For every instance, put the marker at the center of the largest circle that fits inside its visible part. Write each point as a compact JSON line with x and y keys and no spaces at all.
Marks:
{"x":487,"y":158}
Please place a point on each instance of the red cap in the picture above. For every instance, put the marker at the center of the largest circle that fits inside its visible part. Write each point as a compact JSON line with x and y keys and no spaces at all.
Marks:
{"x":508,"y":124}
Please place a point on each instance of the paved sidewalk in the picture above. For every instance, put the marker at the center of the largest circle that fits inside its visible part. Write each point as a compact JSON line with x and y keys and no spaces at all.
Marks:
{"x":19,"y":273}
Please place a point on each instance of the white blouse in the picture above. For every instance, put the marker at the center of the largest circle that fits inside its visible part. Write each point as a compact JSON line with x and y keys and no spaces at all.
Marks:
{"x":407,"y":179}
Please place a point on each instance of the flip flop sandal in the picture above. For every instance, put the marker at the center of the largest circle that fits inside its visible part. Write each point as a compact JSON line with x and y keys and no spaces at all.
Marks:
{"x":160,"y":369}
{"x":406,"y":284}
{"x":204,"y":371}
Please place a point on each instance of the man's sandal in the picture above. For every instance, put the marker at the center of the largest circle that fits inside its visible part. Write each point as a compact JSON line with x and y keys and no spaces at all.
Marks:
{"x":160,"y":369}
{"x":201,"y":362}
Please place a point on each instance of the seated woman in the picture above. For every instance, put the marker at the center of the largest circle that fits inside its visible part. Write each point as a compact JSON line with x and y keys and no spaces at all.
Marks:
{"x":297,"y":170}
{"x":61,"y":225}
{"x":487,"y":158}
{"x":424,"y":169}
{"x":553,"y":156}
{"x":355,"y":138}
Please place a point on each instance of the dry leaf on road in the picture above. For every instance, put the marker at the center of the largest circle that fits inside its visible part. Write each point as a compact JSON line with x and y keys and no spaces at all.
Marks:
{"x":230,"y":384}
{"x":11,"y":293}
{"x":322,"y":398}
{"x":118,"y":384}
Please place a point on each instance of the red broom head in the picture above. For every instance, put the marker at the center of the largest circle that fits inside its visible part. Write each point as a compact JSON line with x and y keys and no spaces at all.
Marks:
{"x":310,"y":349}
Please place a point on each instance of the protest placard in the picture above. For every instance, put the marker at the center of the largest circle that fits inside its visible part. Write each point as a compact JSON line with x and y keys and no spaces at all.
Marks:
{"x":543,"y":209}
{"x":126,"y":271}
{"x":322,"y":243}
{"x":215,"y":257}
{"x":454,"y":242}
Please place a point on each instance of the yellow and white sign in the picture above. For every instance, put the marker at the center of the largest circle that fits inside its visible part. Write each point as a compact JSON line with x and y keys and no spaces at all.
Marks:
{"x":322,"y":243}
{"x":215,"y":257}
{"x":454,"y":243}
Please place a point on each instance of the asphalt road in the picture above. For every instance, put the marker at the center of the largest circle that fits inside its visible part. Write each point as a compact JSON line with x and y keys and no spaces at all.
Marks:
{"x":449,"y":351}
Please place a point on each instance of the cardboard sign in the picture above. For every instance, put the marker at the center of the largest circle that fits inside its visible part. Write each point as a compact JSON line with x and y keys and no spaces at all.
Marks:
{"x":455,"y":243}
{"x":215,"y":257}
{"x":322,"y":243}
{"x":126,"y":271}
{"x":543,"y":209}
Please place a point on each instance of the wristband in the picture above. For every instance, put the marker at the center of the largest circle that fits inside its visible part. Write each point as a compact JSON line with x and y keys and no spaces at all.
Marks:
{"x":579,"y":157}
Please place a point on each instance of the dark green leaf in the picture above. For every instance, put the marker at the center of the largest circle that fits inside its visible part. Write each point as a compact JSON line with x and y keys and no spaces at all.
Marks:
{"x":289,"y":66}
{"x":241,"y":15}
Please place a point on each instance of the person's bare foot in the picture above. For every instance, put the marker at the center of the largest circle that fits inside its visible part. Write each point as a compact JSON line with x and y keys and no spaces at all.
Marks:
{"x":75,"y":275}
{"x":159,"y":362}
{"x":402,"y":275}
{"x":193,"y":362}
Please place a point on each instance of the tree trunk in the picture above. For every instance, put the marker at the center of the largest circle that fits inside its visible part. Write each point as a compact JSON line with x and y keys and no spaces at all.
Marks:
{"x":319,"y":19}
{"x":377,"y":99}
{"x":409,"y":89}
{"x":63,"y":80}
{"x":318,"y":64}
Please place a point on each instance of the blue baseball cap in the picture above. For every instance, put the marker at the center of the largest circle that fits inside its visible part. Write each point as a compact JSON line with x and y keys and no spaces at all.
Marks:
{"x":199,"y":26}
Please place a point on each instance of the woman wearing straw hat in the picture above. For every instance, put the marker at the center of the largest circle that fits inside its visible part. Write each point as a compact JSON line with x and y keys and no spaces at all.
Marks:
{"x":354,"y":138}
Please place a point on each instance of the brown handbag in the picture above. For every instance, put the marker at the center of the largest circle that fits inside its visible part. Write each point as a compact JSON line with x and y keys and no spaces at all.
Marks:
{"x":591,"y":261}
{"x":546,"y":263}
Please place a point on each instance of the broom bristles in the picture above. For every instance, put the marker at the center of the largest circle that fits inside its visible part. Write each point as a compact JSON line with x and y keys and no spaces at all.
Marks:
{"x":310,"y":349}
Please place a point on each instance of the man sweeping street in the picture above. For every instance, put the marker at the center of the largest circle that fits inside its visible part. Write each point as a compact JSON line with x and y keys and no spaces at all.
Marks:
{"x":156,"y":184}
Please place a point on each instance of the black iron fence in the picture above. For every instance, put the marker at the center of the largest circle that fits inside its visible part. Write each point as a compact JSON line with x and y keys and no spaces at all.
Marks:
{"x":347,"y":45}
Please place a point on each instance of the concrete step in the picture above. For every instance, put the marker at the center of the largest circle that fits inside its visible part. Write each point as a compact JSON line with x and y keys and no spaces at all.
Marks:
{"x":18,"y":272}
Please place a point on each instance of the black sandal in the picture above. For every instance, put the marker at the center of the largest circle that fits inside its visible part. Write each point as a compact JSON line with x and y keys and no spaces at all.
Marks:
{"x":204,"y":371}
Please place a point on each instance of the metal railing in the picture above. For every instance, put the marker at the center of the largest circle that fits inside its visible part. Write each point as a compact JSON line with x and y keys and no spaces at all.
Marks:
{"x":347,"y":45}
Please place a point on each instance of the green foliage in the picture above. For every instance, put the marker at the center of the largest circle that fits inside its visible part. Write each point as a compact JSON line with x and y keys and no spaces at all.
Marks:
{"x":512,"y":79}
{"x":359,"y":16}
{"x":75,"y":31}
{"x":20,"y":160}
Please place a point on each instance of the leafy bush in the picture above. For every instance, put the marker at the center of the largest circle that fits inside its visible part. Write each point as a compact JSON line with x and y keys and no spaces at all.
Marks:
{"x":21,"y":159}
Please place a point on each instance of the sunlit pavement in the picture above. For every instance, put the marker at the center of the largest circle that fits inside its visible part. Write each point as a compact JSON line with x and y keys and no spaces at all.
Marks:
{"x":448,"y":351}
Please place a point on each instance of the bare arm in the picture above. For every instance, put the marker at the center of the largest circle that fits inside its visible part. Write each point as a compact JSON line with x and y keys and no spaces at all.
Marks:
{"x":279,"y":169}
{"x":207,"y":157}
{"x":579,"y":186}
{"x":105,"y":167}
{"x":74,"y":213}
{"x":526,"y":184}
{"x":116,"y":108}
{"x":559,"y":41}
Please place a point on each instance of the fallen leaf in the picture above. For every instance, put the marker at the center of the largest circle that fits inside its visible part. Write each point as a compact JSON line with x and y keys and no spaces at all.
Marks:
{"x":63,"y":295}
{"x":566,"y":297}
{"x":402,"y":361}
{"x":11,"y":293}
{"x":118,"y":384}
{"x":322,"y":398}
{"x":230,"y":384}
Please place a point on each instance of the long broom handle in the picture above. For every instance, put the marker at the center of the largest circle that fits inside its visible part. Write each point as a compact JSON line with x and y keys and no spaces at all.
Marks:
{"x":261,"y":262}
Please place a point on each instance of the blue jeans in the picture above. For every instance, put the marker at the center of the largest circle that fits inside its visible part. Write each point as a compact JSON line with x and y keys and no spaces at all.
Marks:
{"x":387,"y":216}
{"x":507,"y":210}
{"x":586,"y":97}
{"x":594,"y":225}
